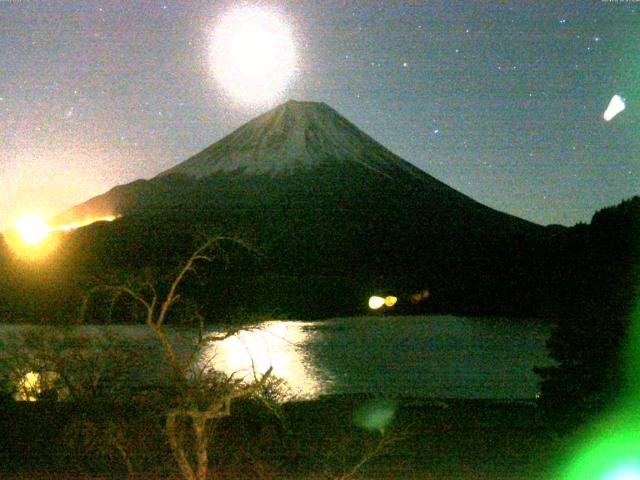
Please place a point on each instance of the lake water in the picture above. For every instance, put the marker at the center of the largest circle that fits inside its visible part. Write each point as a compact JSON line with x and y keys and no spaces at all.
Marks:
{"x":426,"y":356}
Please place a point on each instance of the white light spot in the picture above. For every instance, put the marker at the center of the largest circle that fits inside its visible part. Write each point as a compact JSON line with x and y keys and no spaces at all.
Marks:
{"x":252,"y":55}
{"x":616,"y":105}
{"x":32,"y":229}
{"x":376,"y":302}
{"x":624,"y":473}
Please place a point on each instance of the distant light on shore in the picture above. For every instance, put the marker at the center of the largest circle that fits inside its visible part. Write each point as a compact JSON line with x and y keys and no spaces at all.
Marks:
{"x":390,"y":301}
{"x":85,"y":222}
{"x":376,"y":302}
{"x":32,"y":229}
{"x":30,"y":237}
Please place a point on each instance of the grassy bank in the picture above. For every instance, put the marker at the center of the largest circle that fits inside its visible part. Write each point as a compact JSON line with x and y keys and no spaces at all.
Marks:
{"x":461,"y":439}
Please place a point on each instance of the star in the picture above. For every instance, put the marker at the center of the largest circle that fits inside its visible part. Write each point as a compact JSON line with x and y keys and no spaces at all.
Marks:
{"x":405,"y":64}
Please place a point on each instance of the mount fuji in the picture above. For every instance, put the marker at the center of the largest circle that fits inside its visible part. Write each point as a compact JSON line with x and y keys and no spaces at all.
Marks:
{"x":337,"y":216}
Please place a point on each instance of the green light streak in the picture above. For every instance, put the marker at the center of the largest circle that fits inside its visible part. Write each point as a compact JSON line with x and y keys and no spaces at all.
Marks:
{"x":611,"y":453}
{"x":612,"y":450}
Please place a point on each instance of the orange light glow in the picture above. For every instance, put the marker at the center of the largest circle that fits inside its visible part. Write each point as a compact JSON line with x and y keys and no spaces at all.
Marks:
{"x":32,"y":237}
{"x":420,"y":296}
{"x":85,"y":222}
{"x":390,"y":301}
{"x":32,"y":229}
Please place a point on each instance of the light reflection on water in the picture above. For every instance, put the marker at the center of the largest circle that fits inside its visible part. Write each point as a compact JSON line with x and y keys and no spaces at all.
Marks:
{"x":276,"y":344}
{"x":435,"y":356}
{"x":431,"y":356}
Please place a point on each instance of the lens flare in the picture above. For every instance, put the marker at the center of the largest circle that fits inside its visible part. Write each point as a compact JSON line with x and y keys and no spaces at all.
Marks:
{"x":376,"y":415}
{"x":616,"y":105}
{"x":624,"y":473}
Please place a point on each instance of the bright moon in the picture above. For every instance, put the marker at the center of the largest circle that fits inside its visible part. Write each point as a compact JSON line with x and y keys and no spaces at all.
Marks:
{"x":32,"y":229}
{"x":252,"y":55}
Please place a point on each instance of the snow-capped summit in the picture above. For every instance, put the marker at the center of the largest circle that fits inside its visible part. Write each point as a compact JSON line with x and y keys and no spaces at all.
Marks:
{"x":296,"y":147}
{"x":293,"y":135}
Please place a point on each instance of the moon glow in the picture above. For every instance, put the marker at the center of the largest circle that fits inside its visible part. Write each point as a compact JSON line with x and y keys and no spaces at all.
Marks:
{"x":252,"y":55}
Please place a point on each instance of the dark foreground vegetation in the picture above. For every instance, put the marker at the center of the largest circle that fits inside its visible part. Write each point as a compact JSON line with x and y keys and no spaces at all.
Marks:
{"x":303,"y":439}
{"x":316,"y":261}
{"x":222,"y":427}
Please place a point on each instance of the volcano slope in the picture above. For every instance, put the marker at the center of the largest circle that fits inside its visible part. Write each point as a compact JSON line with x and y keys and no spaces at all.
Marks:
{"x":336,"y":215}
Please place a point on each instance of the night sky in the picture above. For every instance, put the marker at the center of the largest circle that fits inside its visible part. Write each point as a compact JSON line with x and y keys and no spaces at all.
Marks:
{"x":503,"y":101}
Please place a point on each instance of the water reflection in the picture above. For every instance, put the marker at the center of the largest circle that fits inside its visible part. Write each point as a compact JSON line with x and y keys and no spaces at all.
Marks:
{"x":274,"y":344}
{"x":430,"y":356}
